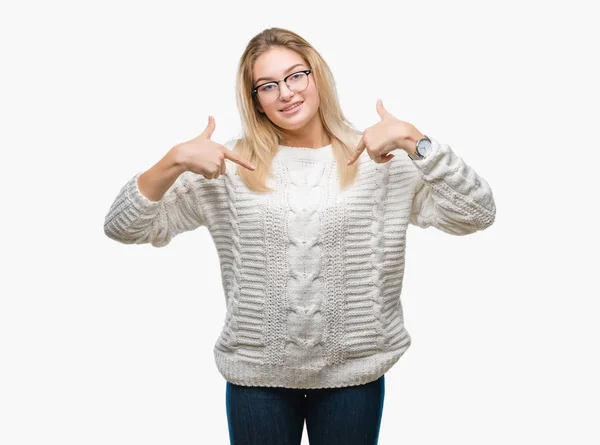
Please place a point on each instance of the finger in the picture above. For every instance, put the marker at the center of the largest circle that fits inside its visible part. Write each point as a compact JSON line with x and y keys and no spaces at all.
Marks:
{"x":232,"y":155}
{"x":210,"y":128}
{"x":359,"y":149}
{"x":388,"y":157}
{"x":381,"y":110}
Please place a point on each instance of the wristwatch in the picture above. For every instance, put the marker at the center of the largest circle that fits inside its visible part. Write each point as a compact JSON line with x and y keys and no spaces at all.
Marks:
{"x":423,"y":149}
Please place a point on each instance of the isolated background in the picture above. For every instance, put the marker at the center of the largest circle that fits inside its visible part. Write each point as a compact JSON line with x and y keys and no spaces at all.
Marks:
{"x":104,"y":343}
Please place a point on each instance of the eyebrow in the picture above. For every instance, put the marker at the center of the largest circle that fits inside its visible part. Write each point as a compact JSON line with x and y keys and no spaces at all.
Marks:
{"x":286,"y":71}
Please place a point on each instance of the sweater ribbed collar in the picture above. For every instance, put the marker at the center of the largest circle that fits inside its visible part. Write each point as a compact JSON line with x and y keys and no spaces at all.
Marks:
{"x":319,"y":154}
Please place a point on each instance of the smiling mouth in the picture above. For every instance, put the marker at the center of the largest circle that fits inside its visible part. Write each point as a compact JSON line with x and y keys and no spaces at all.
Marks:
{"x":293,"y":106}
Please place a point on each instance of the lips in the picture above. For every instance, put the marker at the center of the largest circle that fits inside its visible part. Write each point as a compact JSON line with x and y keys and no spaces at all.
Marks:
{"x":295,"y":103}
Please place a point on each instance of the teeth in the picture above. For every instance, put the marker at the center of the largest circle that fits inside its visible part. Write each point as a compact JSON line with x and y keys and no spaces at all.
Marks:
{"x":293,"y":106}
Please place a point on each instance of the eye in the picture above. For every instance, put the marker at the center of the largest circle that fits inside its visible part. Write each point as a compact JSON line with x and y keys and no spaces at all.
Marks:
{"x":267,"y":87}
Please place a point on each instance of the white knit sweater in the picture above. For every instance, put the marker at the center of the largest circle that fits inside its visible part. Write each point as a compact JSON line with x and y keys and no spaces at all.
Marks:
{"x":312,"y":276}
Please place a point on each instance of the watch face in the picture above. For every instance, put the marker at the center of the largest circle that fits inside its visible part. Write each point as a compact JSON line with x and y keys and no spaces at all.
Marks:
{"x":424,"y":147}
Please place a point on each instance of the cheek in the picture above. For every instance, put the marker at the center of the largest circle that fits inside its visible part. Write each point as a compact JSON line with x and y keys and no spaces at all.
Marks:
{"x":273,"y":113}
{"x":313,"y":96}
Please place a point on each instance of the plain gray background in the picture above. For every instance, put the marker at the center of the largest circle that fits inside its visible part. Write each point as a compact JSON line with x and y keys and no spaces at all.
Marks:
{"x":103,"y":343}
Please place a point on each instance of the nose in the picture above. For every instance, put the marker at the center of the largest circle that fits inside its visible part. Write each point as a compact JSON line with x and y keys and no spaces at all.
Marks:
{"x":284,"y":91}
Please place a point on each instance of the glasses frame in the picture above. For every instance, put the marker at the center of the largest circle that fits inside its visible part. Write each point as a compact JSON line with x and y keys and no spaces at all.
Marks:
{"x":277,"y":82}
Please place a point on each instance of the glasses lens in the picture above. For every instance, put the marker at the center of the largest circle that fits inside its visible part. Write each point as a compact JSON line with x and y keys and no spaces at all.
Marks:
{"x":297,"y":82}
{"x":269,"y":92}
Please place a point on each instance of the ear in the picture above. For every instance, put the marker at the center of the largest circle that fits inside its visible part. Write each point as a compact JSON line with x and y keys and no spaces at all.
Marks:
{"x":260,"y":108}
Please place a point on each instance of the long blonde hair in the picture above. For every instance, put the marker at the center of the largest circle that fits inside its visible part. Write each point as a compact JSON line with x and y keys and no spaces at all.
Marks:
{"x":259,"y":143}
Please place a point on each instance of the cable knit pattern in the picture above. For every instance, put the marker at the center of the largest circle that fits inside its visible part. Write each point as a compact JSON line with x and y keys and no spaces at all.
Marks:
{"x":312,"y":275}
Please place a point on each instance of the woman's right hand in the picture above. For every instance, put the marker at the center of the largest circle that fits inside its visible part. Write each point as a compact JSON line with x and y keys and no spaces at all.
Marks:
{"x":205,"y":157}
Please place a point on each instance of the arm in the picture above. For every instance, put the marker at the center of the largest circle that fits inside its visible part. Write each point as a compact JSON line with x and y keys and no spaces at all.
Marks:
{"x":156,"y":205}
{"x":449,"y":194}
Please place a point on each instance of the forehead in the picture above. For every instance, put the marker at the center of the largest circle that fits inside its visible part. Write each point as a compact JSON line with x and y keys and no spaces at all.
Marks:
{"x":274,"y":62}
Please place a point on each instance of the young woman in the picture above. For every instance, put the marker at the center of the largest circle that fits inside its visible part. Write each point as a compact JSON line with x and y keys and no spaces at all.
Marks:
{"x":309,"y":218}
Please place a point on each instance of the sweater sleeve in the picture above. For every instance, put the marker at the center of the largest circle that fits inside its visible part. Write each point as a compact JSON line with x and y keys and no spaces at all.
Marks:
{"x":449,"y":195}
{"x":135,"y":219}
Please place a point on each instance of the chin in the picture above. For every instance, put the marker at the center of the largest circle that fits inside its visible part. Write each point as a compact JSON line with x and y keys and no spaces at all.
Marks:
{"x":295,"y":122}
{"x":292,"y":126}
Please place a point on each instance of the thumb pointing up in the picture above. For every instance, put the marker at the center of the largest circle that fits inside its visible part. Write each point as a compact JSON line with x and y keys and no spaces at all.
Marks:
{"x":210,"y":128}
{"x":208,"y":131}
{"x":383,"y":113}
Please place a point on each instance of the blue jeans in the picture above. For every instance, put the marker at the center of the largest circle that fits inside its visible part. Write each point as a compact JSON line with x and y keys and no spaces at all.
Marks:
{"x":350,"y":415}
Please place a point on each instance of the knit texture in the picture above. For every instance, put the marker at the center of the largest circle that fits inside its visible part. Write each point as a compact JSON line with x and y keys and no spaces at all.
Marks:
{"x":312,"y":275}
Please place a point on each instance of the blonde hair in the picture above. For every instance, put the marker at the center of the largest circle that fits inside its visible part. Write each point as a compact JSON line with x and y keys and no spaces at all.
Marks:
{"x":260,"y":138}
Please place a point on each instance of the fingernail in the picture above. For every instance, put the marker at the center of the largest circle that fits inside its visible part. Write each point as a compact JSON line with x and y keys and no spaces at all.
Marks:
{"x":253,"y":167}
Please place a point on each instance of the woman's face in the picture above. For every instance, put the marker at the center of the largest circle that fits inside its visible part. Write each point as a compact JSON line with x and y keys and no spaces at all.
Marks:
{"x":275,"y":64}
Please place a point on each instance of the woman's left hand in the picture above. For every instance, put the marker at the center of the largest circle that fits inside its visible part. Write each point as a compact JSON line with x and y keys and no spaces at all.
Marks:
{"x":386,"y":136}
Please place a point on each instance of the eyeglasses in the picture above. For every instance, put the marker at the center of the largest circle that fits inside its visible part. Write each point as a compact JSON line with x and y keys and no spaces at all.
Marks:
{"x":269,"y":92}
